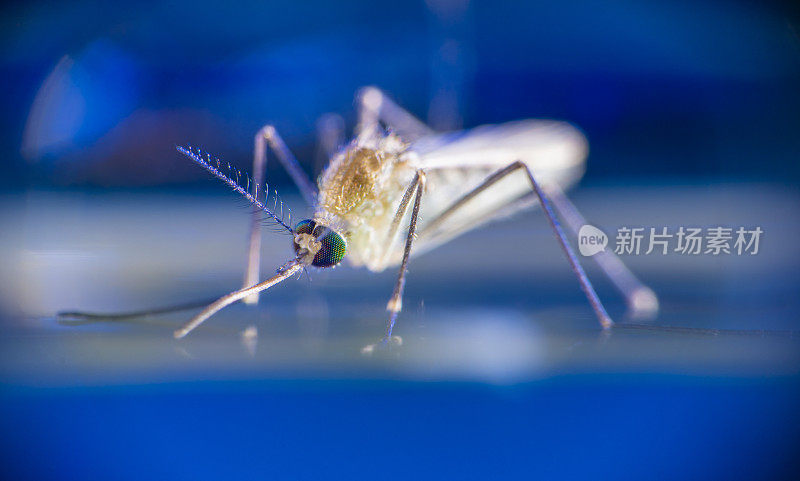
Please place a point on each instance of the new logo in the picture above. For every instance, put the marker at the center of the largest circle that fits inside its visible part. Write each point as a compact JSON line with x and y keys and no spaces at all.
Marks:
{"x":591,"y":240}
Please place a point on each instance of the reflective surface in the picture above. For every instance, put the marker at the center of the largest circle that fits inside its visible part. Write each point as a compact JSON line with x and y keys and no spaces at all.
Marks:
{"x":501,"y":348}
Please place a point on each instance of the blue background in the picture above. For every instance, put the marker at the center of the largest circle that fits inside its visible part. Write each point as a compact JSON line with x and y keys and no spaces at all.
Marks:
{"x":698,"y":90}
{"x":96,"y":95}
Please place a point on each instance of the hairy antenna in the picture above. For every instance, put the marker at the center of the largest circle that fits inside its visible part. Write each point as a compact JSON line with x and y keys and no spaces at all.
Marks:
{"x":197,"y":156}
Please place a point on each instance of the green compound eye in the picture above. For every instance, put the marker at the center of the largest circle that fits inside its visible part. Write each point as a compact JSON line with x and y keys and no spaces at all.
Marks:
{"x":305,"y":227}
{"x":332,"y":251}
{"x":333,"y":246}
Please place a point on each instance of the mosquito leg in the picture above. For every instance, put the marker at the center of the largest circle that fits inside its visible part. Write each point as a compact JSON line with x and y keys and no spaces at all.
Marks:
{"x":289,"y":162}
{"x":432,"y":226}
{"x":586,"y":285}
{"x":401,"y":212}
{"x":252,"y":268}
{"x":330,"y":137}
{"x":81,"y":316}
{"x":375,"y":107}
{"x":228,"y":299}
{"x":395,"y":304}
{"x":267,"y":135}
{"x":642,"y":301}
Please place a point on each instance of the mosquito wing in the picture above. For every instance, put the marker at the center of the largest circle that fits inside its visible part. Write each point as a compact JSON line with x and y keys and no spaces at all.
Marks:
{"x":548,"y":146}
{"x":458,"y":162}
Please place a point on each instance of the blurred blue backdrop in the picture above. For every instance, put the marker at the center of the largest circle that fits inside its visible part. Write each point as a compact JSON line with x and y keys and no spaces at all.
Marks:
{"x":98,"y":94}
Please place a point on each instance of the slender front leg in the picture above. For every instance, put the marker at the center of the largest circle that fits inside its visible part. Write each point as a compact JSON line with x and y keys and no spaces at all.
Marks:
{"x":267,"y":135}
{"x":375,"y":107}
{"x":289,"y":162}
{"x":641,"y":300}
{"x":252,"y":268}
{"x":395,"y":304}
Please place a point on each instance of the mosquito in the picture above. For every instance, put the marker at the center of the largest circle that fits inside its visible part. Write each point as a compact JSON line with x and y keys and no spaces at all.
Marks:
{"x":399,"y":189}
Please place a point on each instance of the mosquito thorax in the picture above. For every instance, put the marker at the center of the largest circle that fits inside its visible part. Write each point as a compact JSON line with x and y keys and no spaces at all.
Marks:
{"x":318,"y":245}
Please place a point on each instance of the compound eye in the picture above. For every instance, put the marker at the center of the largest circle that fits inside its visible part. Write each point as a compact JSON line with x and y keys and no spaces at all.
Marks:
{"x":332,"y":251}
{"x":305,"y":227}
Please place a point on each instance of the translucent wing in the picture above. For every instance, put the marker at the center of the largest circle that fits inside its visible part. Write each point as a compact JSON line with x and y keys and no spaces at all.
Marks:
{"x":458,"y":162}
{"x":550,"y":147}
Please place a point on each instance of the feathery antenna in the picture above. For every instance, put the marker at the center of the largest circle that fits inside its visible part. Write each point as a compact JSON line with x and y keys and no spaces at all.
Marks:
{"x":213,"y":166}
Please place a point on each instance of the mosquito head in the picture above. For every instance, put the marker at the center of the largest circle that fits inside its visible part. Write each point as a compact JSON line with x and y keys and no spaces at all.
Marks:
{"x":318,"y":245}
